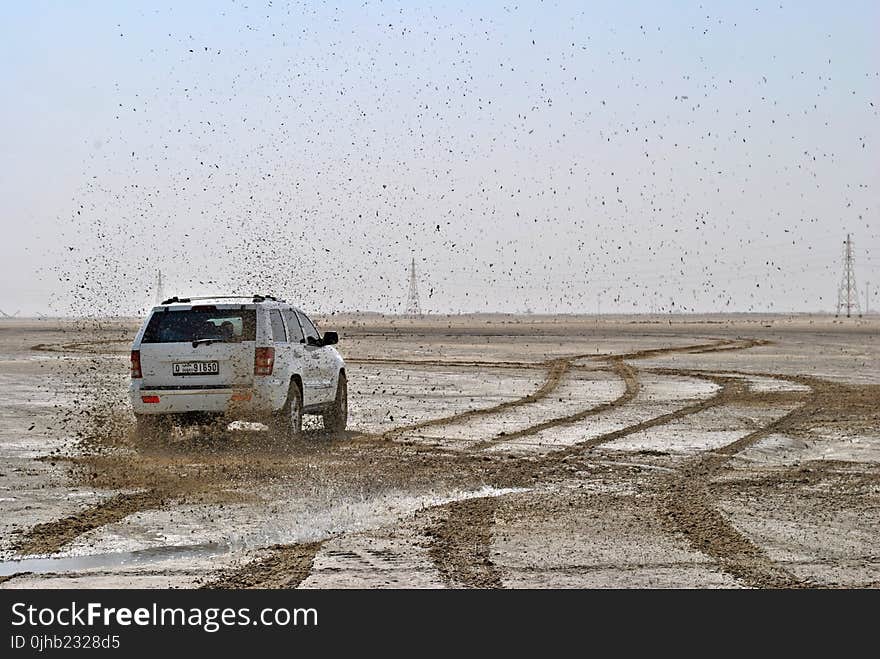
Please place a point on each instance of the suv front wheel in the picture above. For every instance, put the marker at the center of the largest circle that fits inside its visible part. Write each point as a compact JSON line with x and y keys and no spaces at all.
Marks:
{"x":336,"y":417}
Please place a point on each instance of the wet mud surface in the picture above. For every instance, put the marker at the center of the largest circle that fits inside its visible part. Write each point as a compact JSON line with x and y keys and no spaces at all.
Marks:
{"x":480,"y":454}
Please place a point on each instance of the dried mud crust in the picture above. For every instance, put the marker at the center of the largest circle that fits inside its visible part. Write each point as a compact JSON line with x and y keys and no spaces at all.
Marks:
{"x":284,"y":566}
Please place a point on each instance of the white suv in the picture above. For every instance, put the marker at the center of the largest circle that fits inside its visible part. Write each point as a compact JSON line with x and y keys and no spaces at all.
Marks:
{"x":252,"y":358}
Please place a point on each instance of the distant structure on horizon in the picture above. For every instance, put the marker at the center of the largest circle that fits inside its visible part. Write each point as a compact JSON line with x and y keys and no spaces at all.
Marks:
{"x":160,"y":288}
{"x":413,"y":308}
{"x":847,"y":293}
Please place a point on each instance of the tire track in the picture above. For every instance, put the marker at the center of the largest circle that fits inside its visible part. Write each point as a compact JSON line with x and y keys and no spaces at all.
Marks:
{"x":730,"y":390}
{"x":683,"y":499}
{"x":742,"y":344}
{"x":88,"y":347}
{"x":716,"y":346}
{"x":50,"y":537}
{"x":627,"y":373}
{"x":286,"y":566}
{"x":687,"y":502}
{"x":459,"y":543}
{"x":686,"y":508}
{"x":557,"y":369}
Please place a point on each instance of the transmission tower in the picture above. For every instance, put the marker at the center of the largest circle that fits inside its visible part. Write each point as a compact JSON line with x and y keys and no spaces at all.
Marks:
{"x":847,"y":293}
{"x":413,"y":308}
{"x":160,"y":289}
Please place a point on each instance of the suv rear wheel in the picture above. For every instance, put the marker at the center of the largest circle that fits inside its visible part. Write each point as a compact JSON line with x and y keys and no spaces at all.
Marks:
{"x":287,"y":422}
{"x":336,"y":418}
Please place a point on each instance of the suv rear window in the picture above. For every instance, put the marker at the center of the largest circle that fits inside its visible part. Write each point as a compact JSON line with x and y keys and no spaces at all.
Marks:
{"x":277,"y":326}
{"x":232,"y":325}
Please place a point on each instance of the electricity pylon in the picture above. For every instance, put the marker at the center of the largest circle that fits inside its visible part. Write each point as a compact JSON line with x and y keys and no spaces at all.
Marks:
{"x":847,"y":293}
{"x":413,"y":308}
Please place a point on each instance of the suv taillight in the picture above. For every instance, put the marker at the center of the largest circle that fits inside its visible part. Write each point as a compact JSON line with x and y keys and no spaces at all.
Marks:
{"x":136,"y":364}
{"x":264,"y":360}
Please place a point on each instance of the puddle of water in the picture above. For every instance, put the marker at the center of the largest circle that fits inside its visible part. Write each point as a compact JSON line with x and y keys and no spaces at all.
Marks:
{"x":111,"y":560}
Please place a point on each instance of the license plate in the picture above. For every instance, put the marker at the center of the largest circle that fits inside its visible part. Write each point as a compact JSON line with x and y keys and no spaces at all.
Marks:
{"x":195,"y":368}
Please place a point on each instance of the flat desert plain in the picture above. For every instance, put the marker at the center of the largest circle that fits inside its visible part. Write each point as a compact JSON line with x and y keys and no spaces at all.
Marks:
{"x":482,"y":452}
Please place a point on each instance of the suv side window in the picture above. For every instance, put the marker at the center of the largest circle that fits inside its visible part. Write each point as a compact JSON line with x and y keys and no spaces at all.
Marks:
{"x":294,"y":331}
{"x":277,"y":326}
{"x":307,"y":325}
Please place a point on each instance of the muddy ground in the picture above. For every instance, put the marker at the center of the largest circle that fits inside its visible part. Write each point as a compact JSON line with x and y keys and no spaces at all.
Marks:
{"x":483,"y":452}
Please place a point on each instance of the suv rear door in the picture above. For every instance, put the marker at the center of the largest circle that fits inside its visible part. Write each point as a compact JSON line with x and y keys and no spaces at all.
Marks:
{"x":285,"y":350}
{"x":296,"y":352}
{"x":199,"y":347}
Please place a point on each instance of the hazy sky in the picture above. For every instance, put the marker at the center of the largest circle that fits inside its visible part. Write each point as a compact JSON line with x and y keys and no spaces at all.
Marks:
{"x":655,"y":156}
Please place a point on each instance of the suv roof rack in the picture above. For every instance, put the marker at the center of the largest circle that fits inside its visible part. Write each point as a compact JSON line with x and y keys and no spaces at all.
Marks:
{"x":256,"y":297}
